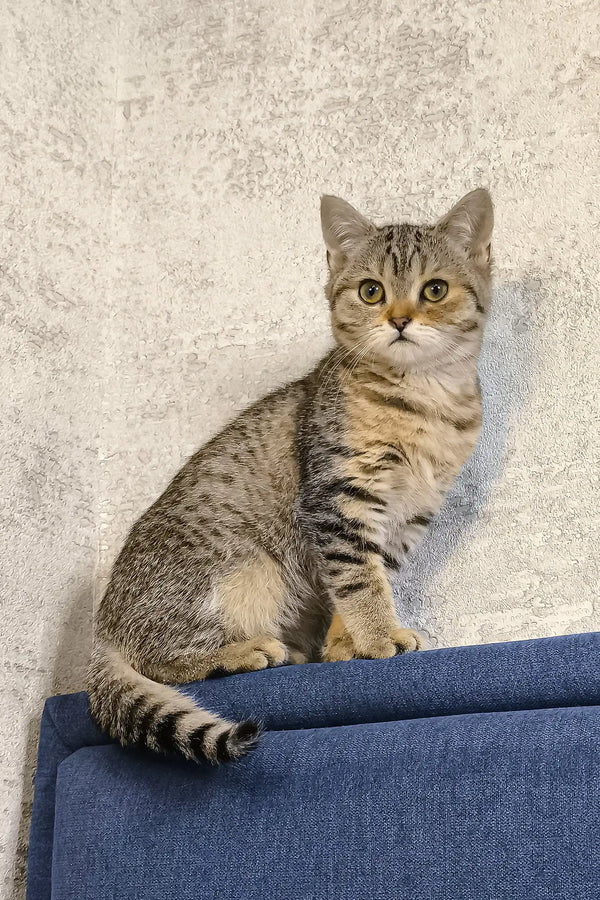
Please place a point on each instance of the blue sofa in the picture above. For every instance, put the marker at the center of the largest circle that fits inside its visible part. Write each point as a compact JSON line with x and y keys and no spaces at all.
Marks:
{"x":467,"y":773}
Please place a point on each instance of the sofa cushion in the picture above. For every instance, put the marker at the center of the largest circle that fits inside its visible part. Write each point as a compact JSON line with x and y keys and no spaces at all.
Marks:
{"x":469,"y":772}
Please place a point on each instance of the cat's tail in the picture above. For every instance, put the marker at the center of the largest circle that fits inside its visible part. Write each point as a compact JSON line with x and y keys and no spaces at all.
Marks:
{"x":139,"y":712}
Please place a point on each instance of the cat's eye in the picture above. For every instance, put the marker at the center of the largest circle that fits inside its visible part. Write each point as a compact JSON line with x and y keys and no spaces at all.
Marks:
{"x":371,"y":292}
{"x":436,"y":289}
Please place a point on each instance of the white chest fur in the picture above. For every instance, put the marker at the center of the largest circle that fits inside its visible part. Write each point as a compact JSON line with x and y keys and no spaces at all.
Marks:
{"x":410,"y":445}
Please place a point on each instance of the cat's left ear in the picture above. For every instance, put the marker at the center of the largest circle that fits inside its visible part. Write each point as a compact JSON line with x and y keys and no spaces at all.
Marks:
{"x":344,"y":228}
{"x":469,"y":224}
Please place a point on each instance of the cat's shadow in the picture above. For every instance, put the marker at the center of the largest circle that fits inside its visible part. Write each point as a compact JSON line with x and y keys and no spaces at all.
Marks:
{"x":507,"y":363}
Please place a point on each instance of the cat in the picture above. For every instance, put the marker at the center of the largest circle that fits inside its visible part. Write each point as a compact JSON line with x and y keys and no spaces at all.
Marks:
{"x":277,"y":539}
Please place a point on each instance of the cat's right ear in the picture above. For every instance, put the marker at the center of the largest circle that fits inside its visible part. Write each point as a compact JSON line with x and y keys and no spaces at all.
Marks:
{"x":344,"y":228}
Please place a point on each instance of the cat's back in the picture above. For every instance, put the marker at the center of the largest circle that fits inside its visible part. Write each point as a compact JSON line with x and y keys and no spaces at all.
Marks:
{"x":248,"y":472}
{"x":262,"y":436}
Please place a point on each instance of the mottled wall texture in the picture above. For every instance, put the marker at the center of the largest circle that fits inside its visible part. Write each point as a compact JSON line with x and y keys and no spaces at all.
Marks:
{"x":162,"y":266}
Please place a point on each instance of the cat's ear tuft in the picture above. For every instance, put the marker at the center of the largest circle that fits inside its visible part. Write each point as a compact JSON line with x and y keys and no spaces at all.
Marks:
{"x":343,"y":228}
{"x":469,"y":224}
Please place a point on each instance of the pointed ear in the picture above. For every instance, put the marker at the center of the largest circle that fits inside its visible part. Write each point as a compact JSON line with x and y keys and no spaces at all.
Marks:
{"x":469,"y":224}
{"x":343,"y":228}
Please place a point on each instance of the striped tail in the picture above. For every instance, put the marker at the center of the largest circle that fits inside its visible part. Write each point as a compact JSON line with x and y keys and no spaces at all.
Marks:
{"x":139,"y":712}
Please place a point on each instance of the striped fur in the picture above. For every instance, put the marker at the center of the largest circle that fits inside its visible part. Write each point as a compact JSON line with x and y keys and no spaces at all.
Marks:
{"x":142,"y":713}
{"x":308,"y":502}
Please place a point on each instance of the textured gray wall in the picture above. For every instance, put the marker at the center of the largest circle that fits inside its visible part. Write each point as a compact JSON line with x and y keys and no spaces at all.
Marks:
{"x":162,"y":266}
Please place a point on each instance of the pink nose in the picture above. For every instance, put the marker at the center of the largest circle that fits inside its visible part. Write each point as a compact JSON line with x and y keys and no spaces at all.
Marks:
{"x":400,"y":323}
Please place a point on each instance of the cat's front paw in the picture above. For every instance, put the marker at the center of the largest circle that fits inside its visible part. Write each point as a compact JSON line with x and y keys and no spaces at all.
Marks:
{"x":406,"y":639}
{"x":339,"y":645}
{"x":338,"y":648}
{"x":399,"y":640}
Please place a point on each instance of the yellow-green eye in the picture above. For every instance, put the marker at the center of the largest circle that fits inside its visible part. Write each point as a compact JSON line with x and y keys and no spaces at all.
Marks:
{"x":371,"y":292}
{"x":434,"y":290}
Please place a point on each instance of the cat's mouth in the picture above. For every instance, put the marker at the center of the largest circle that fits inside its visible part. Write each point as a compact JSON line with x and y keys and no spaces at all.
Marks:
{"x":402,"y":337}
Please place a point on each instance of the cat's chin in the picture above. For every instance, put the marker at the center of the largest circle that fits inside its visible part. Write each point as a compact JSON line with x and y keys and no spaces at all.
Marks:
{"x":405,"y":350}
{"x":405,"y":356}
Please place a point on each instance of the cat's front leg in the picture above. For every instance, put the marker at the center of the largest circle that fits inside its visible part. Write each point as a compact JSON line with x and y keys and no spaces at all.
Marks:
{"x":365,"y":624}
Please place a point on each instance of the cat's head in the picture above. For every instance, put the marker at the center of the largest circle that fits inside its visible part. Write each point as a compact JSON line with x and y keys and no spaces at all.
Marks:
{"x":409,"y":296}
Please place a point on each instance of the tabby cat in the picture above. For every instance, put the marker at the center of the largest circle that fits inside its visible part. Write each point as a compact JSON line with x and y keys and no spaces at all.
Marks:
{"x":276,"y":541}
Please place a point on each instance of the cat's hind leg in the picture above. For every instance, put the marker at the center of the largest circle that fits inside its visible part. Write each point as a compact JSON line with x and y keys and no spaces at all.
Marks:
{"x":239,"y":656}
{"x":250,"y":603}
{"x":250,"y":656}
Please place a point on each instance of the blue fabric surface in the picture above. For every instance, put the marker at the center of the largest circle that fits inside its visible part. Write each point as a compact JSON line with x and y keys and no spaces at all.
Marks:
{"x":468,"y":773}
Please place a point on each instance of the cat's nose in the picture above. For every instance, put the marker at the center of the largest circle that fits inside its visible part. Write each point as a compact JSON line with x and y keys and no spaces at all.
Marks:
{"x":400,"y":323}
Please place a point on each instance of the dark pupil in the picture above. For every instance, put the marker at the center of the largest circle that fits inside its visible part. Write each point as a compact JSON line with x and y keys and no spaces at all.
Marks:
{"x":372,"y":289}
{"x":436,"y":287}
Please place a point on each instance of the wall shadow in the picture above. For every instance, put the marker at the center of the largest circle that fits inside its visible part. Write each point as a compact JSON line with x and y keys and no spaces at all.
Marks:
{"x":507,"y":365}
{"x":73,"y":648}
{"x":28,"y":772}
